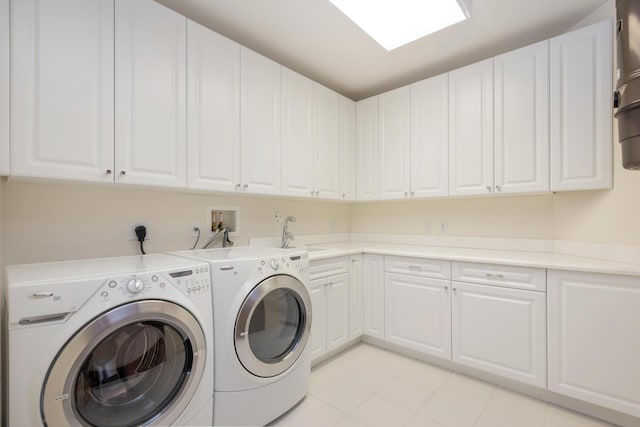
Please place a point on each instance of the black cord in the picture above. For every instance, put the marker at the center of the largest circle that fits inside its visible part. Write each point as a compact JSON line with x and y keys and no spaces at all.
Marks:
{"x":197,"y":229}
{"x":141,"y":232}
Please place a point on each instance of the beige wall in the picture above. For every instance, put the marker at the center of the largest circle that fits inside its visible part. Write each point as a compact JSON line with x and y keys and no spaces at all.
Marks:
{"x":49,"y":222}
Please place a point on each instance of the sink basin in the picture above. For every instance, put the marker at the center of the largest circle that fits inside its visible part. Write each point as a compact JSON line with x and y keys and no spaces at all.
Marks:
{"x":315,"y":249}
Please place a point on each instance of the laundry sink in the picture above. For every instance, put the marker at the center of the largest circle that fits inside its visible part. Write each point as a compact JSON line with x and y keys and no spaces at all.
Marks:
{"x":314,"y":249}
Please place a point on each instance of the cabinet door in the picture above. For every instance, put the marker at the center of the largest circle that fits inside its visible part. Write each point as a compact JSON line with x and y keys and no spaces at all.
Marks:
{"x":4,"y":88}
{"x":150,"y":94}
{"x":347,"y":149}
{"x":373,"y":295}
{"x":367,"y":149}
{"x":259,"y":123}
{"x":418,"y":313}
{"x":521,"y":96}
{"x":337,"y":310}
{"x":318,"y":340}
{"x":61,"y":89}
{"x":500,"y":330}
{"x":430,"y":137}
{"x":213,"y":110}
{"x":355,"y":297}
{"x":581,"y":105}
{"x":395,"y":139}
{"x":326,"y":165}
{"x":297,"y":135}
{"x":471,"y":129}
{"x":594,"y":345}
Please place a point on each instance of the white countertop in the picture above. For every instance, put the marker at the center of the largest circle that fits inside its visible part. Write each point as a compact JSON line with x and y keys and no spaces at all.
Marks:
{"x":519,"y":258}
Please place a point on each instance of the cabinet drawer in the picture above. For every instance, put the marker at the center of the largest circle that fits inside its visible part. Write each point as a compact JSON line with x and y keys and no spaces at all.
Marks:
{"x":437,"y":269}
{"x":328,"y":267}
{"x":533,"y":279}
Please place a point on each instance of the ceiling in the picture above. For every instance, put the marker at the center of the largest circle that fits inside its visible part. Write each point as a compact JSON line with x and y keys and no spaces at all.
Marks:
{"x":313,"y":38}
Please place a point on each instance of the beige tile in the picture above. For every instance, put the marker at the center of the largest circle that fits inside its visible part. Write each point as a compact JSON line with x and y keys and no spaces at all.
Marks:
{"x":506,"y":408}
{"x":379,"y":412}
{"x":419,"y":421}
{"x":560,"y":417}
{"x":423,"y":374}
{"x":377,"y":357}
{"x":350,"y":422}
{"x":367,"y":377}
{"x":337,"y":392}
{"x":410,"y":395}
{"x":313,"y":412}
{"x":458,"y":402}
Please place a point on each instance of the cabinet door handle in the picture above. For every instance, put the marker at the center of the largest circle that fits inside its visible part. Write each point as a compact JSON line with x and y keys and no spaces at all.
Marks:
{"x":498,"y":189}
{"x":123,"y":173}
{"x":245,"y":187}
{"x":415,"y":267}
{"x":238,"y":187}
{"x":344,"y":195}
{"x":446,"y":288}
{"x":108,"y":171}
{"x":489,"y":188}
{"x":413,"y":194}
{"x":406,"y":194}
{"x":494,"y":276}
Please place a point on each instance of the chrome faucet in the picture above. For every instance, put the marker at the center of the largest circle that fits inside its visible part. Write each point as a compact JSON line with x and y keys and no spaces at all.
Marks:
{"x":287,"y":236}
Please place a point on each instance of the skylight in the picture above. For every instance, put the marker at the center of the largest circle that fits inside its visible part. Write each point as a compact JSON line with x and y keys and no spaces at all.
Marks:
{"x":394,"y":23}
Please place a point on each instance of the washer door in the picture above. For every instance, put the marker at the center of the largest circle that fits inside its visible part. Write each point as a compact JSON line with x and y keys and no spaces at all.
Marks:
{"x":273,"y":326}
{"x":137,"y":364}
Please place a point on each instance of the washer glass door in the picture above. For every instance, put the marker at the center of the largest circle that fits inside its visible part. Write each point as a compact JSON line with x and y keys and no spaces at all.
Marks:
{"x":273,"y":326}
{"x":130,"y":366}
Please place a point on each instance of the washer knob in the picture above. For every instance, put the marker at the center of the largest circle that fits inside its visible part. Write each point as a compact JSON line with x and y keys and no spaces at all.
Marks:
{"x":135,"y":286}
{"x":274,"y":264}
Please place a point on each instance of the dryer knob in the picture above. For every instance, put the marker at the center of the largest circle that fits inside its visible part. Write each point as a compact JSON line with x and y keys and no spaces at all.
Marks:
{"x":135,"y":286}
{"x":274,"y":264}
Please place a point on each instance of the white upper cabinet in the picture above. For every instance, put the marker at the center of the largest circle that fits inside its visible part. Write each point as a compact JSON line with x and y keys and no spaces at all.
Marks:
{"x":471,"y":129}
{"x":4,"y":88}
{"x":394,"y":110}
{"x":61,"y":89}
{"x":581,"y":109}
{"x":347,"y":149}
{"x":521,"y":101}
{"x":259,"y":123}
{"x":150,"y":66}
{"x":213,"y":110}
{"x":367,"y":149}
{"x":297,"y":135}
{"x":326,"y":164}
{"x":430,"y":137}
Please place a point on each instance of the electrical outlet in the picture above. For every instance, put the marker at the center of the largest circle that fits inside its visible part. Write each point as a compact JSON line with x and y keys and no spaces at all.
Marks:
{"x":442,"y":226}
{"x":195,"y":225}
{"x":132,"y":230}
{"x":278,"y":217}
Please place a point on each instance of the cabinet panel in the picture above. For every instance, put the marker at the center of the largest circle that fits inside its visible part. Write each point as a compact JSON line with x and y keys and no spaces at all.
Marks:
{"x":337,"y":310}
{"x":471,"y":129}
{"x":581,"y":105}
{"x":521,"y":99}
{"x":328,"y":267}
{"x":297,"y":135}
{"x":5,"y":104}
{"x":394,"y":143}
{"x":150,"y":91}
{"x":373,"y":295}
{"x":347,"y":149}
{"x":318,"y":340}
{"x":509,"y":276}
{"x":430,"y":137}
{"x":355,"y":297}
{"x":61,"y":89}
{"x":213,"y":110}
{"x":326,"y":165}
{"x":502,"y":331}
{"x":436,"y":269}
{"x":367,"y":149}
{"x":259,"y":123}
{"x":594,"y":326}
{"x":418,"y":313}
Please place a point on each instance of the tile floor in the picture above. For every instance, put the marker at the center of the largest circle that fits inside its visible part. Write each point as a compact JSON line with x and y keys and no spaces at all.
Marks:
{"x":369,"y":386}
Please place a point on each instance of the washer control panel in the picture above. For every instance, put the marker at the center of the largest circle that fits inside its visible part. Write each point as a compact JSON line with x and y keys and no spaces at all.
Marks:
{"x":193,"y":281}
{"x":299,"y":262}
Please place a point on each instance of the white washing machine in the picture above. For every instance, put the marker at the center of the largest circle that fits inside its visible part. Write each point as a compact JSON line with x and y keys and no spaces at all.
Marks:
{"x":262,"y":321}
{"x":110,"y":342}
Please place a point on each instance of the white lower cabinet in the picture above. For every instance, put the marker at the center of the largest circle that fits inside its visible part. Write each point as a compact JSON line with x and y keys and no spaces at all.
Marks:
{"x":418,"y":313}
{"x":594,"y":338}
{"x":355,"y":297}
{"x":330,"y":305}
{"x":500,"y":330}
{"x":373,"y":295}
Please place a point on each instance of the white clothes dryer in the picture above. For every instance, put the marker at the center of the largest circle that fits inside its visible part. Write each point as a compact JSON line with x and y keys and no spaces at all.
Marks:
{"x":262,"y":320}
{"x":110,"y":342}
